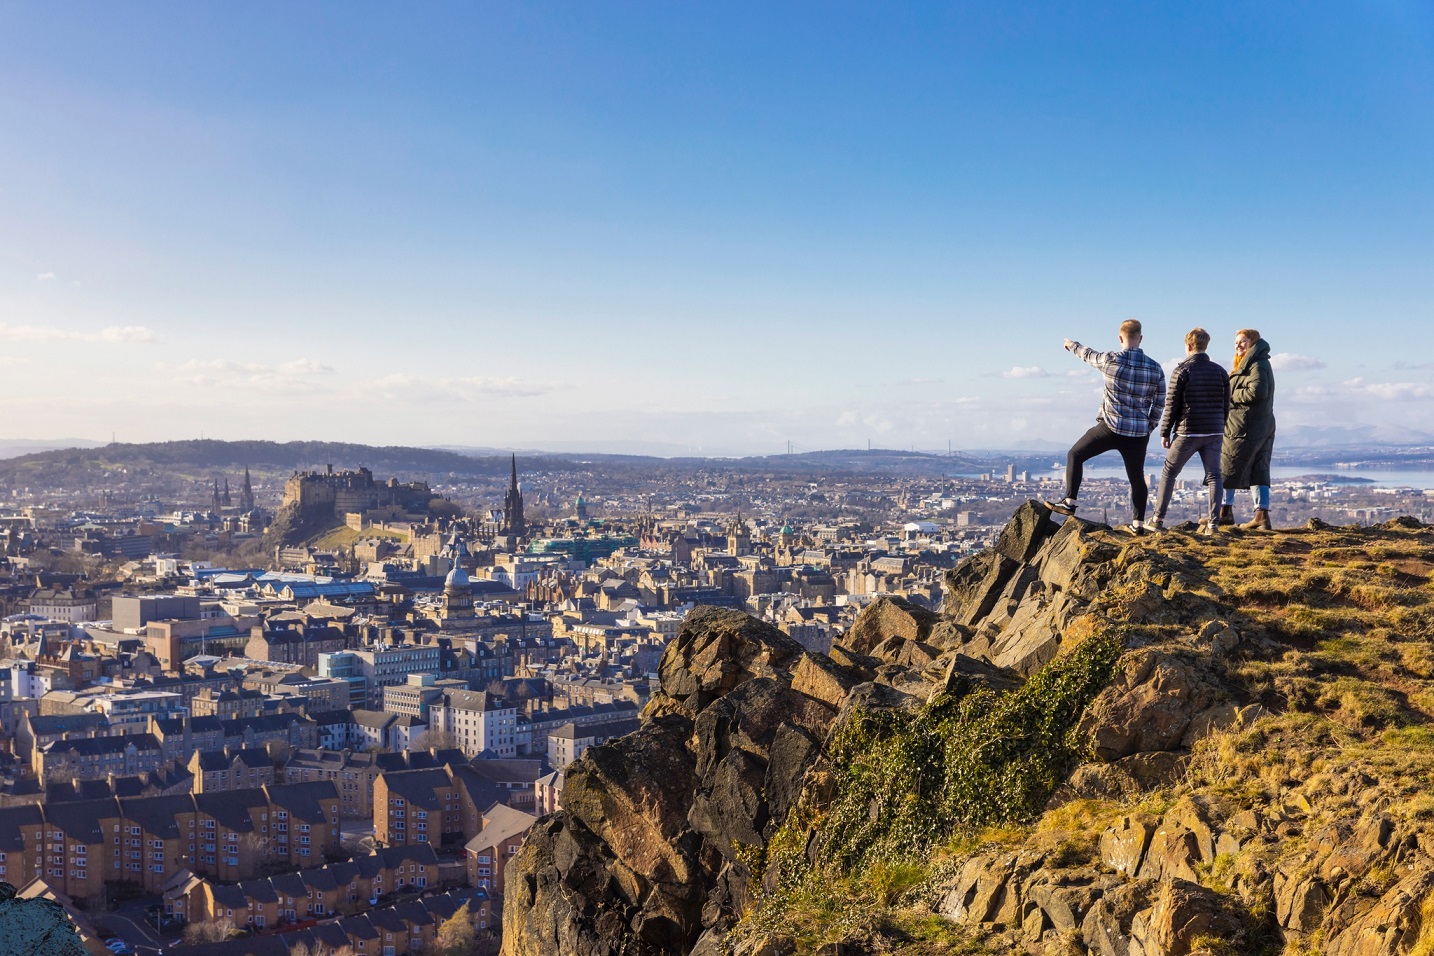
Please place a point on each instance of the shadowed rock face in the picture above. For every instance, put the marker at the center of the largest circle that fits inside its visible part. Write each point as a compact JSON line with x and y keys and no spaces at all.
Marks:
{"x":36,"y":927}
{"x":646,"y":854}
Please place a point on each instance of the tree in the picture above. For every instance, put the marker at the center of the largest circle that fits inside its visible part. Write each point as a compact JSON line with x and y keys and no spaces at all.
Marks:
{"x":212,"y":931}
{"x":443,"y":508}
{"x":262,"y":850}
{"x":438,"y":740}
{"x":455,"y":936}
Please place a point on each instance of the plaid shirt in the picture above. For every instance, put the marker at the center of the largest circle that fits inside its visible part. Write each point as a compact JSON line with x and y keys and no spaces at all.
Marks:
{"x":1134,"y":396}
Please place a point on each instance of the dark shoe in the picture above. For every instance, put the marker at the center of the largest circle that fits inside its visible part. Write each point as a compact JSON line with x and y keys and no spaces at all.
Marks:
{"x":1063,"y":507}
{"x":1227,"y":515}
{"x":1156,"y":526}
{"x":1135,"y":527}
{"x":1260,"y":522}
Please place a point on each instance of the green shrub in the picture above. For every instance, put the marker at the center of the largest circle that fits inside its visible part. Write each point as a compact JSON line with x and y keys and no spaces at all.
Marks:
{"x":908,"y":782}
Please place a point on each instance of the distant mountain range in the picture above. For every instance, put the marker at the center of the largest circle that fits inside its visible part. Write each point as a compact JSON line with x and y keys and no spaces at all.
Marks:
{"x":1351,"y":436}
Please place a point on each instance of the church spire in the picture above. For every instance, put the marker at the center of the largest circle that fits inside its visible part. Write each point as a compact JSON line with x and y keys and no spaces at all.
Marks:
{"x":514,"y":524}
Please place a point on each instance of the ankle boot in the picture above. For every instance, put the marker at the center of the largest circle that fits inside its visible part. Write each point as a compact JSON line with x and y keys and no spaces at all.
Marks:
{"x":1261,"y":521}
{"x":1227,"y":515}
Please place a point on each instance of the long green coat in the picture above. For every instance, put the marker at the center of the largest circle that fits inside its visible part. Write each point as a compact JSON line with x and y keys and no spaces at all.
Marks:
{"x":1250,"y":429}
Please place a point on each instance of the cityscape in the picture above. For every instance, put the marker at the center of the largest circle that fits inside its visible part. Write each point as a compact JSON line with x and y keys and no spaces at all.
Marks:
{"x":327,"y":707}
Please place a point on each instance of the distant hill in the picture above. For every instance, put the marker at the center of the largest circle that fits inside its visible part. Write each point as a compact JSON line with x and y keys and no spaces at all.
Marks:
{"x":121,"y":463}
{"x":14,"y":447}
{"x":73,"y":467}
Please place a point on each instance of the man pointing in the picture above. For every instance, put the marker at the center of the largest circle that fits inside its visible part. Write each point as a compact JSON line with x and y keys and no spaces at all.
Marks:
{"x":1130,"y":409}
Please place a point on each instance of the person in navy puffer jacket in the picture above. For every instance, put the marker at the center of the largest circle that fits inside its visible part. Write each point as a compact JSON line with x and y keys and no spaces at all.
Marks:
{"x":1196,"y":406}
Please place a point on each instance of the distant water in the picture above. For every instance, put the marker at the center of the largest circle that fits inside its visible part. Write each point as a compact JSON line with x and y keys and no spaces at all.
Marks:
{"x":1104,"y":467}
{"x":1372,"y":477}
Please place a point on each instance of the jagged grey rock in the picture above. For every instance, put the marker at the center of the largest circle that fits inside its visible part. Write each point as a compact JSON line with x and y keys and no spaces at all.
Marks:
{"x":889,"y":617}
{"x":1150,"y":705}
{"x":37,"y":927}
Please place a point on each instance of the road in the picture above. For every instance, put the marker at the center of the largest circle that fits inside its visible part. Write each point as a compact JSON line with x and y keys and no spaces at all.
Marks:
{"x":136,"y":930}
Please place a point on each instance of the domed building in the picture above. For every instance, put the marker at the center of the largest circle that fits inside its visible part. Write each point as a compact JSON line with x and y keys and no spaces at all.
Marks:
{"x":457,"y":587}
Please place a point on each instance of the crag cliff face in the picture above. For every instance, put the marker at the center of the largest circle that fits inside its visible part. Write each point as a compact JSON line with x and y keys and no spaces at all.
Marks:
{"x":1130,"y":748}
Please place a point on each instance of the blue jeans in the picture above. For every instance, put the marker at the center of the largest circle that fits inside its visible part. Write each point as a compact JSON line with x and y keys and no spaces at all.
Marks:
{"x":1182,"y":449}
{"x":1259,"y":494}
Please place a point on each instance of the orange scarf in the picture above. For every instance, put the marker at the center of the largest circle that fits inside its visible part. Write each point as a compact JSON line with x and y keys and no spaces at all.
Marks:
{"x":1239,"y":358}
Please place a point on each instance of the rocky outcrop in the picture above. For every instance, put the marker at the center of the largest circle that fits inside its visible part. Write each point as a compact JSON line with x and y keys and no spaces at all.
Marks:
{"x":37,"y":926}
{"x":665,"y":843}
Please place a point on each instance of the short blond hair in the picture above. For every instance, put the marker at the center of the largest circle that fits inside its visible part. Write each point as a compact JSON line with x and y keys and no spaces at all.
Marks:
{"x":1197,"y":339}
{"x":1130,"y":327}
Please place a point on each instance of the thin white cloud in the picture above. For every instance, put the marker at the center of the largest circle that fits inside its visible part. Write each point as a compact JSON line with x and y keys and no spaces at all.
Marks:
{"x":1292,"y":362}
{"x":126,"y":334}
{"x":305,"y":367}
{"x":45,"y":276}
{"x":1025,"y":371}
{"x":1357,"y":388}
{"x":299,"y":376}
{"x":467,"y":388}
{"x":880,"y":424}
{"x":42,"y":335}
{"x":1390,"y":391}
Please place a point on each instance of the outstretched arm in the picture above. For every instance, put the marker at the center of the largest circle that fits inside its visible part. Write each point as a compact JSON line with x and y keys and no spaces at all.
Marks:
{"x":1089,"y":355}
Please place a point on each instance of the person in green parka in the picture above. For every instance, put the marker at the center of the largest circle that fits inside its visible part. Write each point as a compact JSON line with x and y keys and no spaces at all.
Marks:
{"x":1250,"y":429}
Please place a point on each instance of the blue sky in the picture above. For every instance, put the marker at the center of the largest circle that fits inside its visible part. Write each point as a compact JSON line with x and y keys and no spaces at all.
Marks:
{"x":716,"y":226}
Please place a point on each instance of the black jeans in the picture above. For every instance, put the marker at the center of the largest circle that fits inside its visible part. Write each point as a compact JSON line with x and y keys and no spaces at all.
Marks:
{"x":1100,"y":440}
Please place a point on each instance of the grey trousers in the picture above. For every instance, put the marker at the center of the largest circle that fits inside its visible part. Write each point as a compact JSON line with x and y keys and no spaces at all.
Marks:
{"x":1181,"y":450}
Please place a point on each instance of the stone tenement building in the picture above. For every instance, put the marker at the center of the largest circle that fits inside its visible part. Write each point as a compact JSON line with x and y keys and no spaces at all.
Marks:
{"x":316,"y":495}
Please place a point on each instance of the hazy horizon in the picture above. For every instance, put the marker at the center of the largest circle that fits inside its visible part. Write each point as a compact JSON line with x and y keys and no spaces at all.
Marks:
{"x":1306,"y":441}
